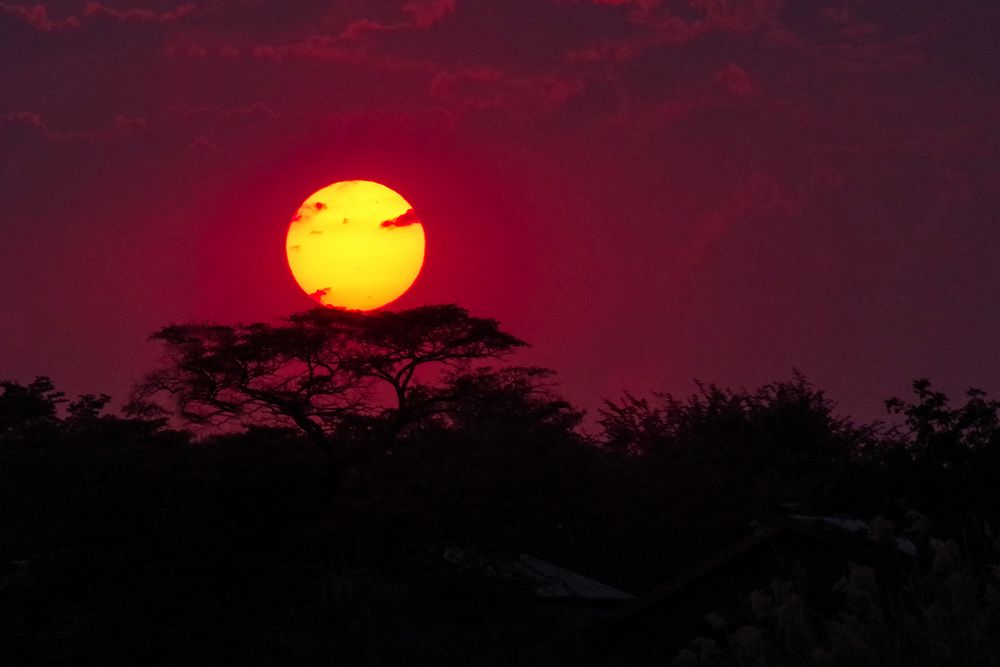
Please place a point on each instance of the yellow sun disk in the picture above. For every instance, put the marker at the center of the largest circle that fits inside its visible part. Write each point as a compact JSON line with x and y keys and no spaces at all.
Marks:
{"x":341,"y":251}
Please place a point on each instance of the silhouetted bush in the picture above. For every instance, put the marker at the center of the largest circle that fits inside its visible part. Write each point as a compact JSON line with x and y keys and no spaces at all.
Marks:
{"x":28,"y":413}
{"x":944,"y":612}
{"x":30,"y":417}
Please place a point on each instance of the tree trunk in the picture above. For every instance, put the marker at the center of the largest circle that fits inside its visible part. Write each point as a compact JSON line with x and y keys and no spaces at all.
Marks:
{"x":338,"y":466}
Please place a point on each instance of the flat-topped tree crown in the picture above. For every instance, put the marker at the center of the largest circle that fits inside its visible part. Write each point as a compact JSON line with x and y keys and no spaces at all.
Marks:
{"x":393,"y":345}
{"x":317,"y":369}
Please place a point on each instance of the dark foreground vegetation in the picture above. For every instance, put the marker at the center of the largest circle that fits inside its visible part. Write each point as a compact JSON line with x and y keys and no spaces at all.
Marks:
{"x":285,"y":494}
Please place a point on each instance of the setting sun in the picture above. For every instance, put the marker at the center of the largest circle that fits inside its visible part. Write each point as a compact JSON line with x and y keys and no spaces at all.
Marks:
{"x":356,"y":245}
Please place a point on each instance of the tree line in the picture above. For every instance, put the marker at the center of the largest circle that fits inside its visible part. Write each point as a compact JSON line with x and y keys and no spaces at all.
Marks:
{"x":357,"y":385}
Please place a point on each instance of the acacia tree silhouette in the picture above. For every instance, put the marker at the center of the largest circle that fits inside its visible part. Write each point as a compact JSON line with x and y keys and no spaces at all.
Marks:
{"x":318,"y":370}
{"x":392,"y":346}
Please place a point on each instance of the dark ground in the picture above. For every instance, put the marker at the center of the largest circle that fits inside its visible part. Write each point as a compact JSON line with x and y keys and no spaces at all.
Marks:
{"x":237,"y":552}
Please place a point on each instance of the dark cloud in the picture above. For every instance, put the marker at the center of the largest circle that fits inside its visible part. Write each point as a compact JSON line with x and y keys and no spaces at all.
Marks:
{"x":121,"y":125}
{"x":312,"y":47}
{"x":28,"y":118}
{"x":128,"y":125}
{"x":474,"y":89}
{"x":838,"y":15}
{"x":731,"y":15}
{"x":757,"y":195}
{"x":737,"y":81}
{"x":739,"y":15}
{"x":257,"y":108}
{"x":665,"y":25}
{"x":137,"y":15}
{"x":204,"y":144}
{"x":363,"y":27}
{"x":728,"y":90}
{"x":405,"y":220}
{"x":37,"y":16}
{"x":347,"y":45}
{"x":608,"y":51}
{"x":421,"y":14}
{"x":426,"y":13}
{"x":186,"y":50}
{"x":861,"y":30}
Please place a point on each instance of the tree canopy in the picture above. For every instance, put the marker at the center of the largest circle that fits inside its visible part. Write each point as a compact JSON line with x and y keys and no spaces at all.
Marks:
{"x":328,"y":372}
{"x":27,"y":407}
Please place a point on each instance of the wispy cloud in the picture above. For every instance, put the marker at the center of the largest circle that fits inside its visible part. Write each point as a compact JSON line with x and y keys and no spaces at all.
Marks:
{"x":665,"y":27}
{"x":120,"y":125}
{"x":39,"y":18}
{"x":757,"y":195}
{"x":426,"y":13}
{"x":477,"y":88}
{"x":256,"y":108}
{"x":137,"y":15}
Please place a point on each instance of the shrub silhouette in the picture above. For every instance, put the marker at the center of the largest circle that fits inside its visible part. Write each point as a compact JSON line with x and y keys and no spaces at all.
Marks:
{"x":29,"y":412}
{"x":784,"y":431}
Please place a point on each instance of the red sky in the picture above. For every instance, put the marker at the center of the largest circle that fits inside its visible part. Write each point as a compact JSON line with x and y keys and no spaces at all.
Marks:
{"x":649,"y":191}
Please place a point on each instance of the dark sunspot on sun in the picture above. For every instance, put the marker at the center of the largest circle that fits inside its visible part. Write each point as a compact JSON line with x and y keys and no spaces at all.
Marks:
{"x":405,"y":220}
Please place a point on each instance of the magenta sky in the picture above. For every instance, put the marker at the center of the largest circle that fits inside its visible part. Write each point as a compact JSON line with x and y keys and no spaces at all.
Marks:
{"x":649,"y":191}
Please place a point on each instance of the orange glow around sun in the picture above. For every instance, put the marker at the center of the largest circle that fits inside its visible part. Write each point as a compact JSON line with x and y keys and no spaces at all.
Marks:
{"x":355,"y":245}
